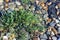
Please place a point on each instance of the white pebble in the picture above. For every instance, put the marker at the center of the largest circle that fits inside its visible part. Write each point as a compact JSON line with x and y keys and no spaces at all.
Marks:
{"x":5,"y":38}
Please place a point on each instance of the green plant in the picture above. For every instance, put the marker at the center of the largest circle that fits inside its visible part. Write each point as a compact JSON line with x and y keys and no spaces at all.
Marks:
{"x":21,"y":19}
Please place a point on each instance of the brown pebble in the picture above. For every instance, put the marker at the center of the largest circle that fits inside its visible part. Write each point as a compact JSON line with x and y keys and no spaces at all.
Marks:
{"x":6,"y":5}
{"x":54,"y":30}
{"x":45,"y":7}
{"x":42,"y":4}
{"x":6,"y":1}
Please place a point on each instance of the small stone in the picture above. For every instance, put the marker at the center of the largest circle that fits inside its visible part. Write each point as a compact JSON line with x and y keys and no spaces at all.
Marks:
{"x":9,"y":10}
{"x":48,"y":32}
{"x":32,"y":8}
{"x":5,"y":38}
{"x":49,"y":3}
{"x":59,"y":18}
{"x":56,"y":7}
{"x":37,"y":1}
{"x":11,"y":5}
{"x":44,"y":36}
{"x":7,"y":1}
{"x":52,"y":24}
{"x":54,"y":38}
{"x":21,"y":7}
{"x":42,"y":4}
{"x":57,"y":12}
{"x":18,"y":3}
{"x":52,"y":33}
{"x":59,"y":30}
{"x":6,"y":5}
{"x":8,"y":34}
{"x":58,"y":24}
{"x":57,"y":21}
{"x":45,"y":16}
{"x":54,"y":30}
{"x":3,"y":12}
{"x":45,"y":7}
{"x":14,"y":38}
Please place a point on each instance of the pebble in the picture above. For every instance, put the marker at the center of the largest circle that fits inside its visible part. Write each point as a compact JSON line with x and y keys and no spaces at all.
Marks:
{"x":9,"y":10}
{"x":5,"y":38}
{"x":59,"y":18}
{"x":58,"y":25}
{"x":48,"y":33}
{"x":57,"y":21}
{"x":14,"y":38}
{"x":52,"y":23}
{"x":59,"y":5}
{"x":37,"y":1}
{"x":18,"y":3}
{"x":43,"y":36}
{"x":11,"y":5}
{"x":58,"y":29}
{"x":42,"y":4}
{"x":54,"y":38}
{"x":52,"y":33}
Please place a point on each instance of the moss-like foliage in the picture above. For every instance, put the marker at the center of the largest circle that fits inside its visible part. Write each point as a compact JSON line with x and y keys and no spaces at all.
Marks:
{"x":18,"y":20}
